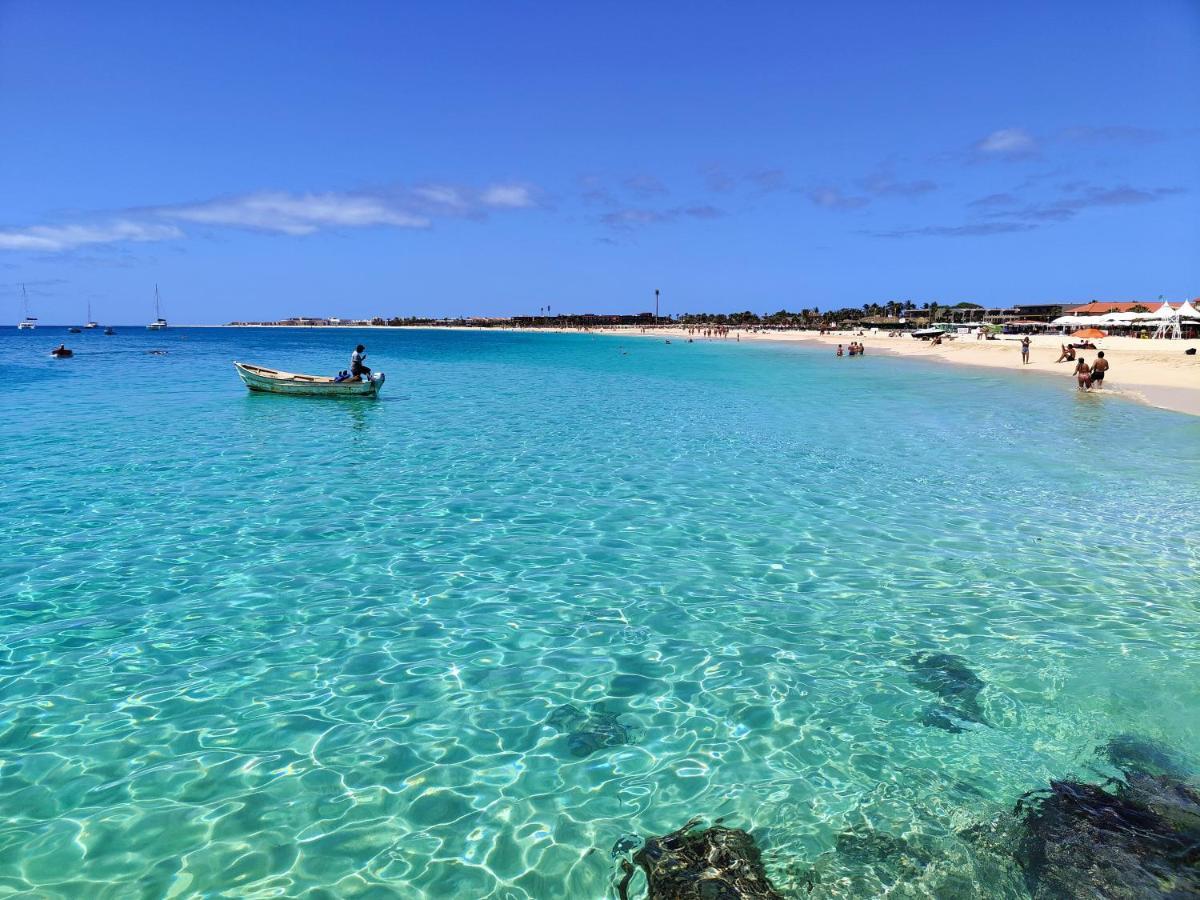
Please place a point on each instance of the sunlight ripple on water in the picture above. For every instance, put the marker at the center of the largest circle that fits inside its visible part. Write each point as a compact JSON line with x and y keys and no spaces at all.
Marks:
{"x":549,"y":592}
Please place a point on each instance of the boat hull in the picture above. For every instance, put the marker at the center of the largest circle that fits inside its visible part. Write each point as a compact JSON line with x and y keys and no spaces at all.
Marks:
{"x":272,"y":381}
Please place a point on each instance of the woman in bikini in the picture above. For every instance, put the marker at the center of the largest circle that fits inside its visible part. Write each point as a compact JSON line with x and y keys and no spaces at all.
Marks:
{"x":1083,"y":375}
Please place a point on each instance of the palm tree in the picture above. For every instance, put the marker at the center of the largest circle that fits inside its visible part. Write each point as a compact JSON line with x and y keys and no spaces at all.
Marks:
{"x":933,"y":312}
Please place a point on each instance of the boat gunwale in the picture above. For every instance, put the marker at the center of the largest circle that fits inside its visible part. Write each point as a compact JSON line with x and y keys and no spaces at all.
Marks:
{"x":267,"y":376}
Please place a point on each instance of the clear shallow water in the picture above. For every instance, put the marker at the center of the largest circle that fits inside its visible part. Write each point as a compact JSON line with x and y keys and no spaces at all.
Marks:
{"x":268,"y":645}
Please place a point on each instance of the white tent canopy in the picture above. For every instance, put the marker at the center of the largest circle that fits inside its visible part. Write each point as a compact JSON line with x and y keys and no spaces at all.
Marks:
{"x":1164,"y":313}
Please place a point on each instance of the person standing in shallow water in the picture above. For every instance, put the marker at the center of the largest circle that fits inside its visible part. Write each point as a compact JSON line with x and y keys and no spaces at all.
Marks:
{"x":357,"y":369}
{"x":1083,"y":375}
{"x":1025,"y":342}
{"x":1099,"y":367}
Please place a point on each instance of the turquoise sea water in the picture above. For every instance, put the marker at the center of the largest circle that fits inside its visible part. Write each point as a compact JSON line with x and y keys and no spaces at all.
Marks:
{"x":266,"y":646}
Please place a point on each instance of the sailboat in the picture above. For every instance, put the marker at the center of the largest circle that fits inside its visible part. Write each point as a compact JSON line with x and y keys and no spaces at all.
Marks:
{"x":159,"y":322}
{"x":29,"y":322}
{"x":90,"y":323}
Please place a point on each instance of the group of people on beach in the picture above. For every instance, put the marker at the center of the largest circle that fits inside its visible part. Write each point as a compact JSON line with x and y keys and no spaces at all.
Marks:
{"x":855,"y":349}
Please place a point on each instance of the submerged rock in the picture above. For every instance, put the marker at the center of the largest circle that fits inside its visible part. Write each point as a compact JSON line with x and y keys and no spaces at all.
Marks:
{"x":952,"y":680}
{"x":948,"y":719}
{"x":625,"y":844}
{"x":592,"y":731}
{"x":566,"y":718}
{"x":866,"y":845}
{"x":599,"y":731}
{"x":1133,"y":754}
{"x":1142,"y":839}
{"x":715,"y":863}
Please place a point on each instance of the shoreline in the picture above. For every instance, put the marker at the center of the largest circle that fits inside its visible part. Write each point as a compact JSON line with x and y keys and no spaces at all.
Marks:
{"x":1154,"y":373}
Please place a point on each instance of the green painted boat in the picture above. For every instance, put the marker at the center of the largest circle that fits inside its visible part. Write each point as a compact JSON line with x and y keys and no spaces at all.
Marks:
{"x":272,"y":381}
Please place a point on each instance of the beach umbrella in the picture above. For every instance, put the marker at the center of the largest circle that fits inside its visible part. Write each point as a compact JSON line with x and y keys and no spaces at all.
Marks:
{"x":1089,"y":333}
{"x":1066,"y":320}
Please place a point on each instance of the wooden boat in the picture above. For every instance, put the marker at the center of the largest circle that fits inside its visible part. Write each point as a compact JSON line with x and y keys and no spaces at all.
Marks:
{"x":272,"y":381}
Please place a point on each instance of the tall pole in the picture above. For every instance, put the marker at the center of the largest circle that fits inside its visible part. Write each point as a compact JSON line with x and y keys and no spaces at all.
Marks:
{"x":656,"y":306}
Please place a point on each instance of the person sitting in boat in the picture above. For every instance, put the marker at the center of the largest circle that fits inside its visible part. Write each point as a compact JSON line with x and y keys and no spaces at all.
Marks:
{"x":357,"y":369}
{"x":341,"y":376}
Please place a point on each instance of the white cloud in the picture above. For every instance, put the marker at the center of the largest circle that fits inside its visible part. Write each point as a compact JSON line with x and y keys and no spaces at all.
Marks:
{"x":281,"y":212}
{"x":1007,"y":142}
{"x":296,"y":213}
{"x":55,"y":238}
{"x":507,"y":196}
{"x":832,"y":198}
{"x":446,"y":195}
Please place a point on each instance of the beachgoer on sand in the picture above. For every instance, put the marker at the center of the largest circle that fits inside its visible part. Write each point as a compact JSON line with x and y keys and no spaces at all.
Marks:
{"x":1025,"y":342}
{"x":1099,"y":367}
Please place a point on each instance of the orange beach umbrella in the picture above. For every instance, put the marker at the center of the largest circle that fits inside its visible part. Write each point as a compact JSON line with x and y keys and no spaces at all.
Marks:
{"x":1089,"y":333}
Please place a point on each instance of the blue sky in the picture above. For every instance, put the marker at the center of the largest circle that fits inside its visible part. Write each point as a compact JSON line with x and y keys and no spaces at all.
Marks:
{"x":269,"y":159}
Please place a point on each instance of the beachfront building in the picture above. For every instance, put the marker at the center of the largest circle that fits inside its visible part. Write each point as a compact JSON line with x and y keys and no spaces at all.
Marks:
{"x":1096,"y":308}
{"x":1039,"y":312}
{"x":1138,"y":318}
{"x":582,"y":320}
{"x":962,"y":315}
